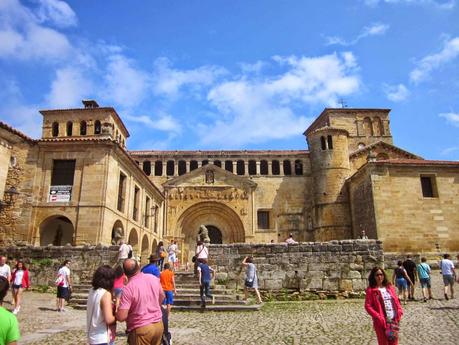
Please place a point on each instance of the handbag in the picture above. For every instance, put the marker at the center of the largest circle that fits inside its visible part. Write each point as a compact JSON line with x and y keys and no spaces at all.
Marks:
{"x":194,"y":258}
{"x":59,"y":280}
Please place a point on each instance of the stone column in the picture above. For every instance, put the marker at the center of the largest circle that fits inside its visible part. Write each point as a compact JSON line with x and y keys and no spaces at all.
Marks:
{"x":246,"y":167}
{"x":164,"y":168}
{"x":235,"y":167}
{"x":199,"y":164}
{"x":187,"y":166}
{"x":281,"y":167}
{"x":175,"y":167}
{"x":258,"y":167}
{"x":270,"y":167}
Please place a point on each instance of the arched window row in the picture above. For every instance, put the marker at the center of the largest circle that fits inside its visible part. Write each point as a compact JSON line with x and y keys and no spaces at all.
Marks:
{"x":241,"y":167}
{"x":82,"y":129}
{"x":373,"y":127}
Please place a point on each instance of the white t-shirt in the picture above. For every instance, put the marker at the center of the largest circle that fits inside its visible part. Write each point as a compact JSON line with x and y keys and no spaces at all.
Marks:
{"x":65,"y":272}
{"x":97,"y":329}
{"x":446,"y":267}
{"x":5,"y":271}
{"x":18,"y":277}
{"x":290,"y":240}
{"x":124,"y":251}
{"x":202,"y":252}
{"x":172,"y":249}
{"x":387,"y":303}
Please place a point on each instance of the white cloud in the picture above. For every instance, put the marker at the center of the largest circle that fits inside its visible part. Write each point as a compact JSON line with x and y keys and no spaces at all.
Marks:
{"x":68,"y":88}
{"x":396,"y":93}
{"x":57,"y":12}
{"x":164,"y":122}
{"x":427,"y":64}
{"x":451,"y":117}
{"x":449,"y":150}
{"x":261,"y":109}
{"x":24,"y":38}
{"x":169,"y":81}
{"x":375,"y":29}
{"x":441,"y":4}
{"x":126,"y":85}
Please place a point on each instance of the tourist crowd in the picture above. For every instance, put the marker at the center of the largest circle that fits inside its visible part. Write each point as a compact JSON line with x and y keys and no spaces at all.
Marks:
{"x":143,"y":296}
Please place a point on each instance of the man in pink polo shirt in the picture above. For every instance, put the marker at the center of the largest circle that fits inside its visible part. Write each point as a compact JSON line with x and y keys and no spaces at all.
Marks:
{"x":140,"y":306}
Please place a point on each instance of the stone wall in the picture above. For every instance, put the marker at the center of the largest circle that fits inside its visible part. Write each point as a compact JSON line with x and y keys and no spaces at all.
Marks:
{"x":43,"y":262}
{"x":310,"y":266}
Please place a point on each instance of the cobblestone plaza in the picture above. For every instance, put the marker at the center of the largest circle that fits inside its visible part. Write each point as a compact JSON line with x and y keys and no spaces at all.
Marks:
{"x":312,"y":322}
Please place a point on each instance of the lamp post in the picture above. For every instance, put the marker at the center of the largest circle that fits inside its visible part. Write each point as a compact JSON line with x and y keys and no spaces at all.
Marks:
{"x":9,"y":197}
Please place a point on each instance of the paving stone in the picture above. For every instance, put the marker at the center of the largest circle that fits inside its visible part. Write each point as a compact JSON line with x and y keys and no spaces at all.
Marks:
{"x":283,"y":323}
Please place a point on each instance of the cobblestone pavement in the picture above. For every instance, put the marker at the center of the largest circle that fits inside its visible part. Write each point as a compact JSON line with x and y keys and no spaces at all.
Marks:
{"x":315,"y":322}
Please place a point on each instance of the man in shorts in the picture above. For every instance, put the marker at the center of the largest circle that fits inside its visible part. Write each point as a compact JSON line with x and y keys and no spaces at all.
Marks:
{"x":168,"y":284}
{"x":424,"y":278}
{"x":410,"y":267}
{"x":449,"y":273}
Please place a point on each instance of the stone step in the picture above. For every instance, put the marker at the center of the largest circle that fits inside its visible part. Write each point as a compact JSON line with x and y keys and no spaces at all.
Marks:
{"x":196,"y":291}
{"x":215,"y":307}
{"x":196,"y":295}
{"x":196,"y":285}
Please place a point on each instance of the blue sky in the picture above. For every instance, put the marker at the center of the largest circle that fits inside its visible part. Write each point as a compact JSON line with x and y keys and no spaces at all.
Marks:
{"x":235,"y":74}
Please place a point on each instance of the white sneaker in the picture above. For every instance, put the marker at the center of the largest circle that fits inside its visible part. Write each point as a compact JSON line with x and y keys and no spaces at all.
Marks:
{"x":15,"y":311}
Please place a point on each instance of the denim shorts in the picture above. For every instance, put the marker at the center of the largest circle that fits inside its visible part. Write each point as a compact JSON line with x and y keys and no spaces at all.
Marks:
{"x":401,"y":283}
{"x":425,"y":282}
{"x":17,"y":286}
{"x":169,"y":297}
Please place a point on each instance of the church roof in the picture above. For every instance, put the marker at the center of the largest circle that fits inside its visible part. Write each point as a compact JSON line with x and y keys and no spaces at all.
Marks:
{"x":219,"y":153}
{"x":421,"y":162}
{"x":367,"y":149}
{"x":16,"y":132}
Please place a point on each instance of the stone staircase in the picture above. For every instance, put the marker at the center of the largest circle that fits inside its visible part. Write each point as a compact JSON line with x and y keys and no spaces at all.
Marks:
{"x":187,"y":299}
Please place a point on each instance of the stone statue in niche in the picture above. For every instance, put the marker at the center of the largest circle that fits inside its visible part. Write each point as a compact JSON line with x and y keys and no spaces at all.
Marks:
{"x":203,"y":234}
{"x":117,"y":236}
{"x":210,"y":178}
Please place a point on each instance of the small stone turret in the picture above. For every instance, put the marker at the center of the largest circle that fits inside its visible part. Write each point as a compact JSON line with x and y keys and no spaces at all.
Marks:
{"x":329,"y":154}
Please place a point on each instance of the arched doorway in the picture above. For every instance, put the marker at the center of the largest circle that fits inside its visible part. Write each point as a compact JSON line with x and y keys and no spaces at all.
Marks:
{"x":56,"y":230}
{"x":117,"y":232}
{"x":153,"y":246}
{"x":145,"y":249}
{"x":215,"y":234}
{"x":225,"y":225}
{"x":134,"y":242}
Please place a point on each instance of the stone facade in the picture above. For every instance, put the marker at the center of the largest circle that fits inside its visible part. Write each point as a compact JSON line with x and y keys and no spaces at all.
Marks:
{"x":44,"y":262}
{"x":309,"y":266}
{"x":351,"y":178}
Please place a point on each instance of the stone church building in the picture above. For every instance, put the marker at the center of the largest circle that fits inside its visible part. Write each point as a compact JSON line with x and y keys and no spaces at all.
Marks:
{"x":79,"y":184}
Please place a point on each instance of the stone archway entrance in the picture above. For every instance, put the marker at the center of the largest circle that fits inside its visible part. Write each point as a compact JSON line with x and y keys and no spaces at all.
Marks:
{"x":223,"y":223}
{"x":215,"y":234}
{"x":56,"y":230}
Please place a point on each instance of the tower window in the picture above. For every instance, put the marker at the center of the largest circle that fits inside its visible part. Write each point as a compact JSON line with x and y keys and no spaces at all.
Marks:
{"x":330,"y":142}
{"x":181,"y":167}
{"x":240,"y":167}
{"x":97,"y":127}
{"x":323,"y":145}
{"x":170,"y":168}
{"x":147,"y":167}
{"x":69,"y":128}
{"x":55,"y":129}
{"x":229,"y":166}
{"x":83,"y":128}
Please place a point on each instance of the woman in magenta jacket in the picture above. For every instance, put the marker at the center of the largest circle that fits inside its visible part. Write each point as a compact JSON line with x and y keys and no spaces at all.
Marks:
{"x":382,"y":303}
{"x":19,"y":280}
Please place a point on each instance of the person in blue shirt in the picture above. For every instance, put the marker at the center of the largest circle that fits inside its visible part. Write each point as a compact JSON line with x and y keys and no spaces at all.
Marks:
{"x":152,"y":267}
{"x":206,"y":273}
{"x":424,"y":277}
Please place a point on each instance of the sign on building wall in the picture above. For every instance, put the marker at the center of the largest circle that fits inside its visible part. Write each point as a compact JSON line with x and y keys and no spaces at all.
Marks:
{"x":60,"y":193}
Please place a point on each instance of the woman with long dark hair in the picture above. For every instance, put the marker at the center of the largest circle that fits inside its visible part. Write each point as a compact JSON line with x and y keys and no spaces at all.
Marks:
{"x":382,"y":303}
{"x":20,"y":281}
{"x":99,"y":309}
{"x":161,"y":253}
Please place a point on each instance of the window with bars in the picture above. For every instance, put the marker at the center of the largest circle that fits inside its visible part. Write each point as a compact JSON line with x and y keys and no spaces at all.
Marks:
{"x":63,"y":172}
{"x":263,"y":219}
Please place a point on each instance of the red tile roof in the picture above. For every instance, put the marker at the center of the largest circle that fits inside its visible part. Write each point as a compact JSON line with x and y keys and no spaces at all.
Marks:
{"x":15,"y":131}
{"x":416,"y":162}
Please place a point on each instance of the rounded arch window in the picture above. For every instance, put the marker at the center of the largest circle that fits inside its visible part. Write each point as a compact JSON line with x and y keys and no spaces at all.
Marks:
{"x":55,"y":129}
{"x":97,"y":127}
{"x":69,"y":128}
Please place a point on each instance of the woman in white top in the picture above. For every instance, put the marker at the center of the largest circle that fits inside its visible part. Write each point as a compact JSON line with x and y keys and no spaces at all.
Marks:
{"x":101,"y":323}
{"x":64,"y":284}
{"x":201,"y":253}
